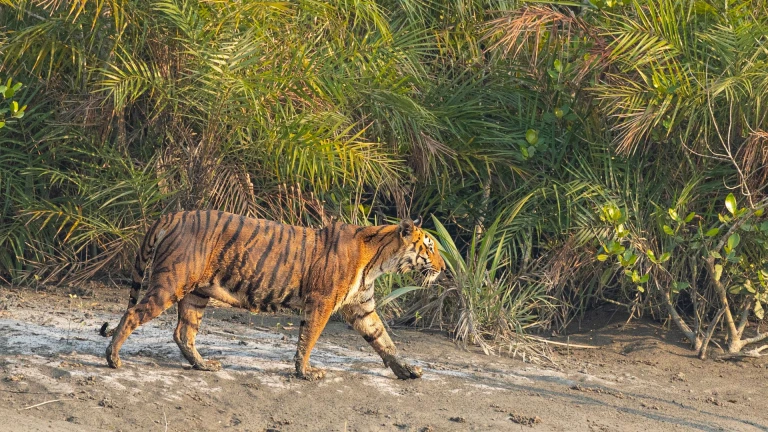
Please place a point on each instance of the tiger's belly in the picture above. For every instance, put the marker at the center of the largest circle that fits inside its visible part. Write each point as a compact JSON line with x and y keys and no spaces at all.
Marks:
{"x":253,"y":295}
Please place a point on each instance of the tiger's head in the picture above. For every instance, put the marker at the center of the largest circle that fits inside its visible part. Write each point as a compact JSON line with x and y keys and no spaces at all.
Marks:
{"x":418,"y":251}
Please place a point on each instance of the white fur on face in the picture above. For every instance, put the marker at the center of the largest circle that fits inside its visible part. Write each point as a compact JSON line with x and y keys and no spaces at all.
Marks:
{"x":429,"y":244}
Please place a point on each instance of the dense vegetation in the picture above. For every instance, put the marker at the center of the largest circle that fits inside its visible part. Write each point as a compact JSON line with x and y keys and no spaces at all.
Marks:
{"x":570,"y":154}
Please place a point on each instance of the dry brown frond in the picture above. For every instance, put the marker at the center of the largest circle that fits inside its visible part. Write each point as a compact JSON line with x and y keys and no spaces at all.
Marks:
{"x":753,"y":159}
{"x":525,"y":28}
{"x":61,"y":265}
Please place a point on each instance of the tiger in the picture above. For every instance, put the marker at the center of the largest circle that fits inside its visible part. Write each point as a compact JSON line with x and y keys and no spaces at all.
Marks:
{"x":261,"y":265}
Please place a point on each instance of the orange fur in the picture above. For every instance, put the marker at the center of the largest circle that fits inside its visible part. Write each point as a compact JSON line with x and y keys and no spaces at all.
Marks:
{"x":262,"y":265}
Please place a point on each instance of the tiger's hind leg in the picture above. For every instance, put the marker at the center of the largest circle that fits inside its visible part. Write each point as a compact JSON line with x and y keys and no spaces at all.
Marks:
{"x":317,"y":313}
{"x":366,"y":321}
{"x":191,"y":309}
{"x":156,"y":301}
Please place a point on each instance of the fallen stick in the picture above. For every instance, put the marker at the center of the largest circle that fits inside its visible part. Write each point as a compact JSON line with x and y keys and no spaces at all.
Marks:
{"x":44,"y":403}
{"x":565,"y":344}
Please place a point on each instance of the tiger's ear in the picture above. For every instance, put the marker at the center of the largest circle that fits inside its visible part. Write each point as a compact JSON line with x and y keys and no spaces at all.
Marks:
{"x":418,"y":221}
{"x":405,"y":228}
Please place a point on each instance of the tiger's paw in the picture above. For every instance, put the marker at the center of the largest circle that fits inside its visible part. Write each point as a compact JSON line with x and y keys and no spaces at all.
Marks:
{"x":311,"y":374}
{"x":209,"y":366}
{"x":405,"y":371}
{"x":113,"y":360}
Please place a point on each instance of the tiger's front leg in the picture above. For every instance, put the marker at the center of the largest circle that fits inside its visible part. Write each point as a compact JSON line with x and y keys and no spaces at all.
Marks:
{"x":366,"y":321}
{"x":315,"y":318}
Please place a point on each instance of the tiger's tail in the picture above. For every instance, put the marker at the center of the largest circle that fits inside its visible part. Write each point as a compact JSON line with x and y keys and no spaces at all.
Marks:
{"x":139,"y":266}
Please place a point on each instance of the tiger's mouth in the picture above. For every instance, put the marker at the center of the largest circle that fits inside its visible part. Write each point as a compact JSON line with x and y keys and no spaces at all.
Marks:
{"x":430,"y":277}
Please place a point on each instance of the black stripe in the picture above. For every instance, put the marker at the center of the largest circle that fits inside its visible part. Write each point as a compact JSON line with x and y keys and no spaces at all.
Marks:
{"x":229,"y":272}
{"x":267,"y":300}
{"x":282,"y":258}
{"x":376,"y":334}
{"x":370,"y":237}
{"x":202,"y":296}
{"x":363,"y":315}
{"x":247,"y":244}
{"x":303,"y":251}
{"x":289,"y":273}
{"x":252,"y":289}
{"x":265,"y":254}
{"x":236,"y":288}
{"x":211,"y":229}
{"x":285,"y":302}
{"x":163,"y":250}
{"x":168,"y":235}
{"x":377,"y":256}
{"x":224,"y":230}
{"x":335,"y":241}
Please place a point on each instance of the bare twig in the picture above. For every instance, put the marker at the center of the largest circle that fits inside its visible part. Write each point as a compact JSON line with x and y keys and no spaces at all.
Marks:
{"x":710,"y":331}
{"x":569,"y":345}
{"x":44,"y":403}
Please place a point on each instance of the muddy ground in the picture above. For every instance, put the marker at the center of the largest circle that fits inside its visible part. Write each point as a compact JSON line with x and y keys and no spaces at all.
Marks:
{"x":642,"y":378}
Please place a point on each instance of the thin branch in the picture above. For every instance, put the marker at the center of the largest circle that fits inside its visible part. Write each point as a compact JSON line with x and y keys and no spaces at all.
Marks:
{"x":743,"y":320}
{"x":565,"y":344}
{"x":61,"y":400}
{"x":758,"y":338}
{"x":710,"y":332}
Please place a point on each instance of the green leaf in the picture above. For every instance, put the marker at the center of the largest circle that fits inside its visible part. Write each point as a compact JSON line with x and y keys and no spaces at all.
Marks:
{"x":397,"y":293}
{"x":651,"y":256}
{"x":680,"y":286}
{"x":690,"y":217}
{"x":748,"y":286}
{"x":2,"y":124}
{"x":606,"y":276}
{"x":758,"y":309}
{"x":715,"y":254}
{"x":602,"y":257}
{"x":558,"y":65}
{"x":668,"y":230}
{"x":759,"y":212}
{"x":559,"y":113}
{"x":640,"y":288}
{"x":645,"y":278}
{"x":733,"y":241}
{"x":664,"y":257}
{"x":614,"y":247}
{"x":718,"y":271}
{"x":621,"y":232}
{"x":730,"y":203}
{"x":532,"y":136}
{"x":713,"y":232}
{"x":673,"y":215}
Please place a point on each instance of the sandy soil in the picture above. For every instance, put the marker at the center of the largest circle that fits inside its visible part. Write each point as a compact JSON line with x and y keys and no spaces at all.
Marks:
{"x":641,"y":379}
